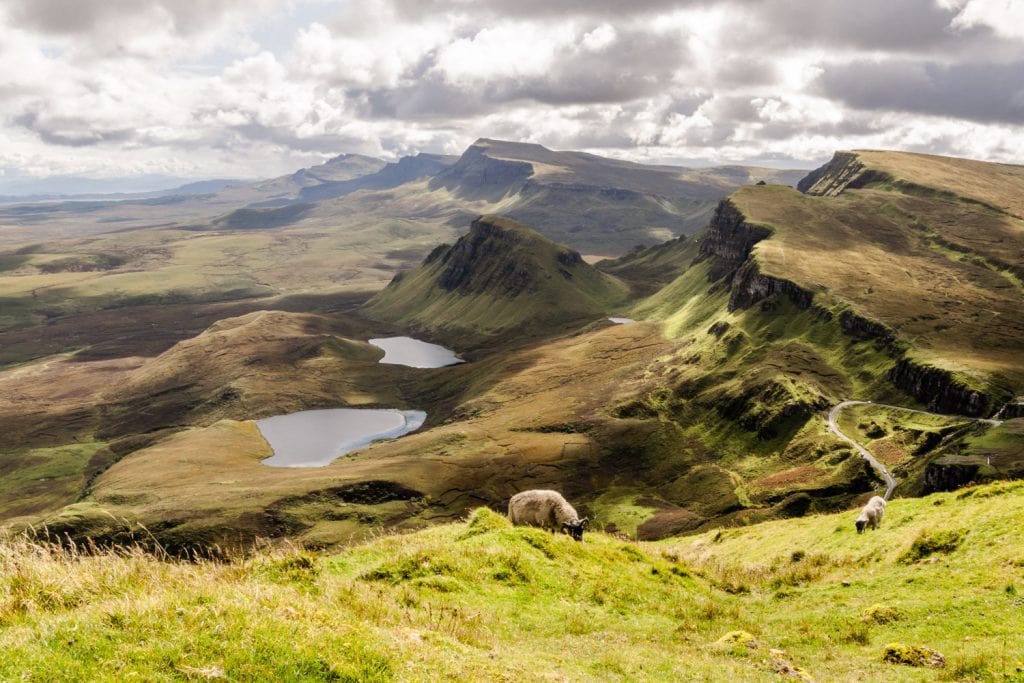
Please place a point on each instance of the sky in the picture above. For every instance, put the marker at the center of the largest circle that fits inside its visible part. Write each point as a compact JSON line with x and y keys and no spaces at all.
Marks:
{"x":258,"y":88}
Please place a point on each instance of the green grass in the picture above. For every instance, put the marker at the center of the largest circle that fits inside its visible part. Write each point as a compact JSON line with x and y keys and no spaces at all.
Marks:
{"x":44,"y":478}
{"x":502,"y":279}
{"x":482,"y":600}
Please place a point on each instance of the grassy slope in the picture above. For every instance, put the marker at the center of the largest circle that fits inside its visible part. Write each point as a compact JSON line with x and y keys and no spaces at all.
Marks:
{"x":485,"y":601}
{"x":508,"y":281}
{"x":876,"y":251}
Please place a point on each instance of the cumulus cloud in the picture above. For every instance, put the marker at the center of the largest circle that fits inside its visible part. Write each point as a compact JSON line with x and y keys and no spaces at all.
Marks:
{"x":244,"y":87}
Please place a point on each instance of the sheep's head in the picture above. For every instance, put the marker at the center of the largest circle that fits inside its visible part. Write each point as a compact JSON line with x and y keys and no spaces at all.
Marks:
{"x":861,"y":523}
{"x":575,"y":528}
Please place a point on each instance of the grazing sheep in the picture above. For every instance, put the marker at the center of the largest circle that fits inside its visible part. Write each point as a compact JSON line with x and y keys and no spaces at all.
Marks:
{"x":548,"y":510}
{"x":871,"y":515}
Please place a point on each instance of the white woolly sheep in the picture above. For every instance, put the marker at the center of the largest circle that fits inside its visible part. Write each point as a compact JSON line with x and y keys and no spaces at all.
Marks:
{"x":871,"y":515}
{"x":548,"y":510}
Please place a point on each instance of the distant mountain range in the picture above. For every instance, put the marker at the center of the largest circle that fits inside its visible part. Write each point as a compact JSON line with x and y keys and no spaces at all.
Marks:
{"x":28,"y":190}
{"x":594,"y":204}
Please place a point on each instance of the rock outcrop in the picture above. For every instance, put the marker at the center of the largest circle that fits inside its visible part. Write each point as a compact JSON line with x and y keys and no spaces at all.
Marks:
{"x":845,"y":170}
{"x":950,"y":473}
{"x":750,"y":285}
{"x":729,"y":236}
{"x":867,"y":330}
{"x":477,"y":175}
{"x":501,"y":278}
{"x":938,"y":389}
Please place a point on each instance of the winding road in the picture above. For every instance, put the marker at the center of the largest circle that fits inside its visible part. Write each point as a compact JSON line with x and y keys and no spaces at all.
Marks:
{"x":890,"y":481}
{"x":833,"y":416}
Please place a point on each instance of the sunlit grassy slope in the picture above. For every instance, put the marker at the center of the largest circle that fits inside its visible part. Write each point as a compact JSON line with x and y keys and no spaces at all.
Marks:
{"x":502,"y":278}
{"x":482,"y":600}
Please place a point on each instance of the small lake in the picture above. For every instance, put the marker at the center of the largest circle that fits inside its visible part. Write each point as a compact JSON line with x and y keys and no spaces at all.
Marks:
{"x":622,"y":321}
{"x":313,"y":438}
{"x":415,"y":353}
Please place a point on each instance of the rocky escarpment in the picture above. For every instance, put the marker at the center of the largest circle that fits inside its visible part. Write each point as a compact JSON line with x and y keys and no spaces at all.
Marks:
{"x":394,"y":174}
{"x":731,"y":238}
{"x":501,"y":279}
{"x":477,"y":175}
{"x":844,"y":171}
{"x":938,"y":389}
{"x":750,"y":285}
{"x":477,"y":262}
{"x":863,"y":329}
{"x":950,"y":473}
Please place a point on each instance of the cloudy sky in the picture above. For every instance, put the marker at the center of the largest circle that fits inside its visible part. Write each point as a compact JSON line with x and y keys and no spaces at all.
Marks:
{"x":244,"y":88}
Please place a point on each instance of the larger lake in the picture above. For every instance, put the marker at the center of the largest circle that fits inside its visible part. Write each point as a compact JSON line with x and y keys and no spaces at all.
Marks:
{"x":313,"y":438}
{"x":414,"y":353}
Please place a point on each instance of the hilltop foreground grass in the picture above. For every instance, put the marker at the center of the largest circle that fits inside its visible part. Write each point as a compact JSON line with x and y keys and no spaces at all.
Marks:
{"x":482,"y":600}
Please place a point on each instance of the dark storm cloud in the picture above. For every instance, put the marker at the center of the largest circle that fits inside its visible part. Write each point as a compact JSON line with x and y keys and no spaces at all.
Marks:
{"x":70,"y":131}
{"x":70,"y":17}
{"x":744,"y":70}
{"x":988,"y":93}
{"x":634,"y":66}
{"x":282,"y":136}
{"x":905,"y":25}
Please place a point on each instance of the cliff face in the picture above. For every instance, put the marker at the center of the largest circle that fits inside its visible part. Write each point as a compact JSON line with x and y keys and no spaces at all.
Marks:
{"x":949,"y":474}
{"x":845,"y":170}
{"x":729,"y":236}
{"x":394,"y":174}
{"x":750,"y":286}
{"x":863,"y":329}
{"x":476,"y":175}
{"x":938,"y":389}
{"x":477,"y":263}
{"x":732,"y":240}
{"x":501,"y":278}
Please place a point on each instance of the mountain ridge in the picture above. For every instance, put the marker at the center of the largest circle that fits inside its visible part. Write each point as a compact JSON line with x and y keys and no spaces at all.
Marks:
{"x":501,"y":278}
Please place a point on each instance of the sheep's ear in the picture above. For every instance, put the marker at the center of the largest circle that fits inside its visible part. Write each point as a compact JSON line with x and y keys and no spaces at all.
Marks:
{"x":566,"y":526}
{"x":584,"y":523}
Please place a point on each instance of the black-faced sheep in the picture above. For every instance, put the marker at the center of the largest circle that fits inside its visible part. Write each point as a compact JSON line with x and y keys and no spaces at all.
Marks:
{"x":548,"y":510}
{"x":871,"y":515}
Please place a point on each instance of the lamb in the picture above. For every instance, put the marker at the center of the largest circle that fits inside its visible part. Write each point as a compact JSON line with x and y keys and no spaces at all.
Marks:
{"x":548,"y":510}
{"x":871,"y":515}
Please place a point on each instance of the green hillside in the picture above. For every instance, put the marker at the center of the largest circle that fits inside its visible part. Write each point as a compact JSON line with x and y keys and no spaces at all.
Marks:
{"x":807,"y":599}
{"x":872,"y":289}
{"x":502,"y":279}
